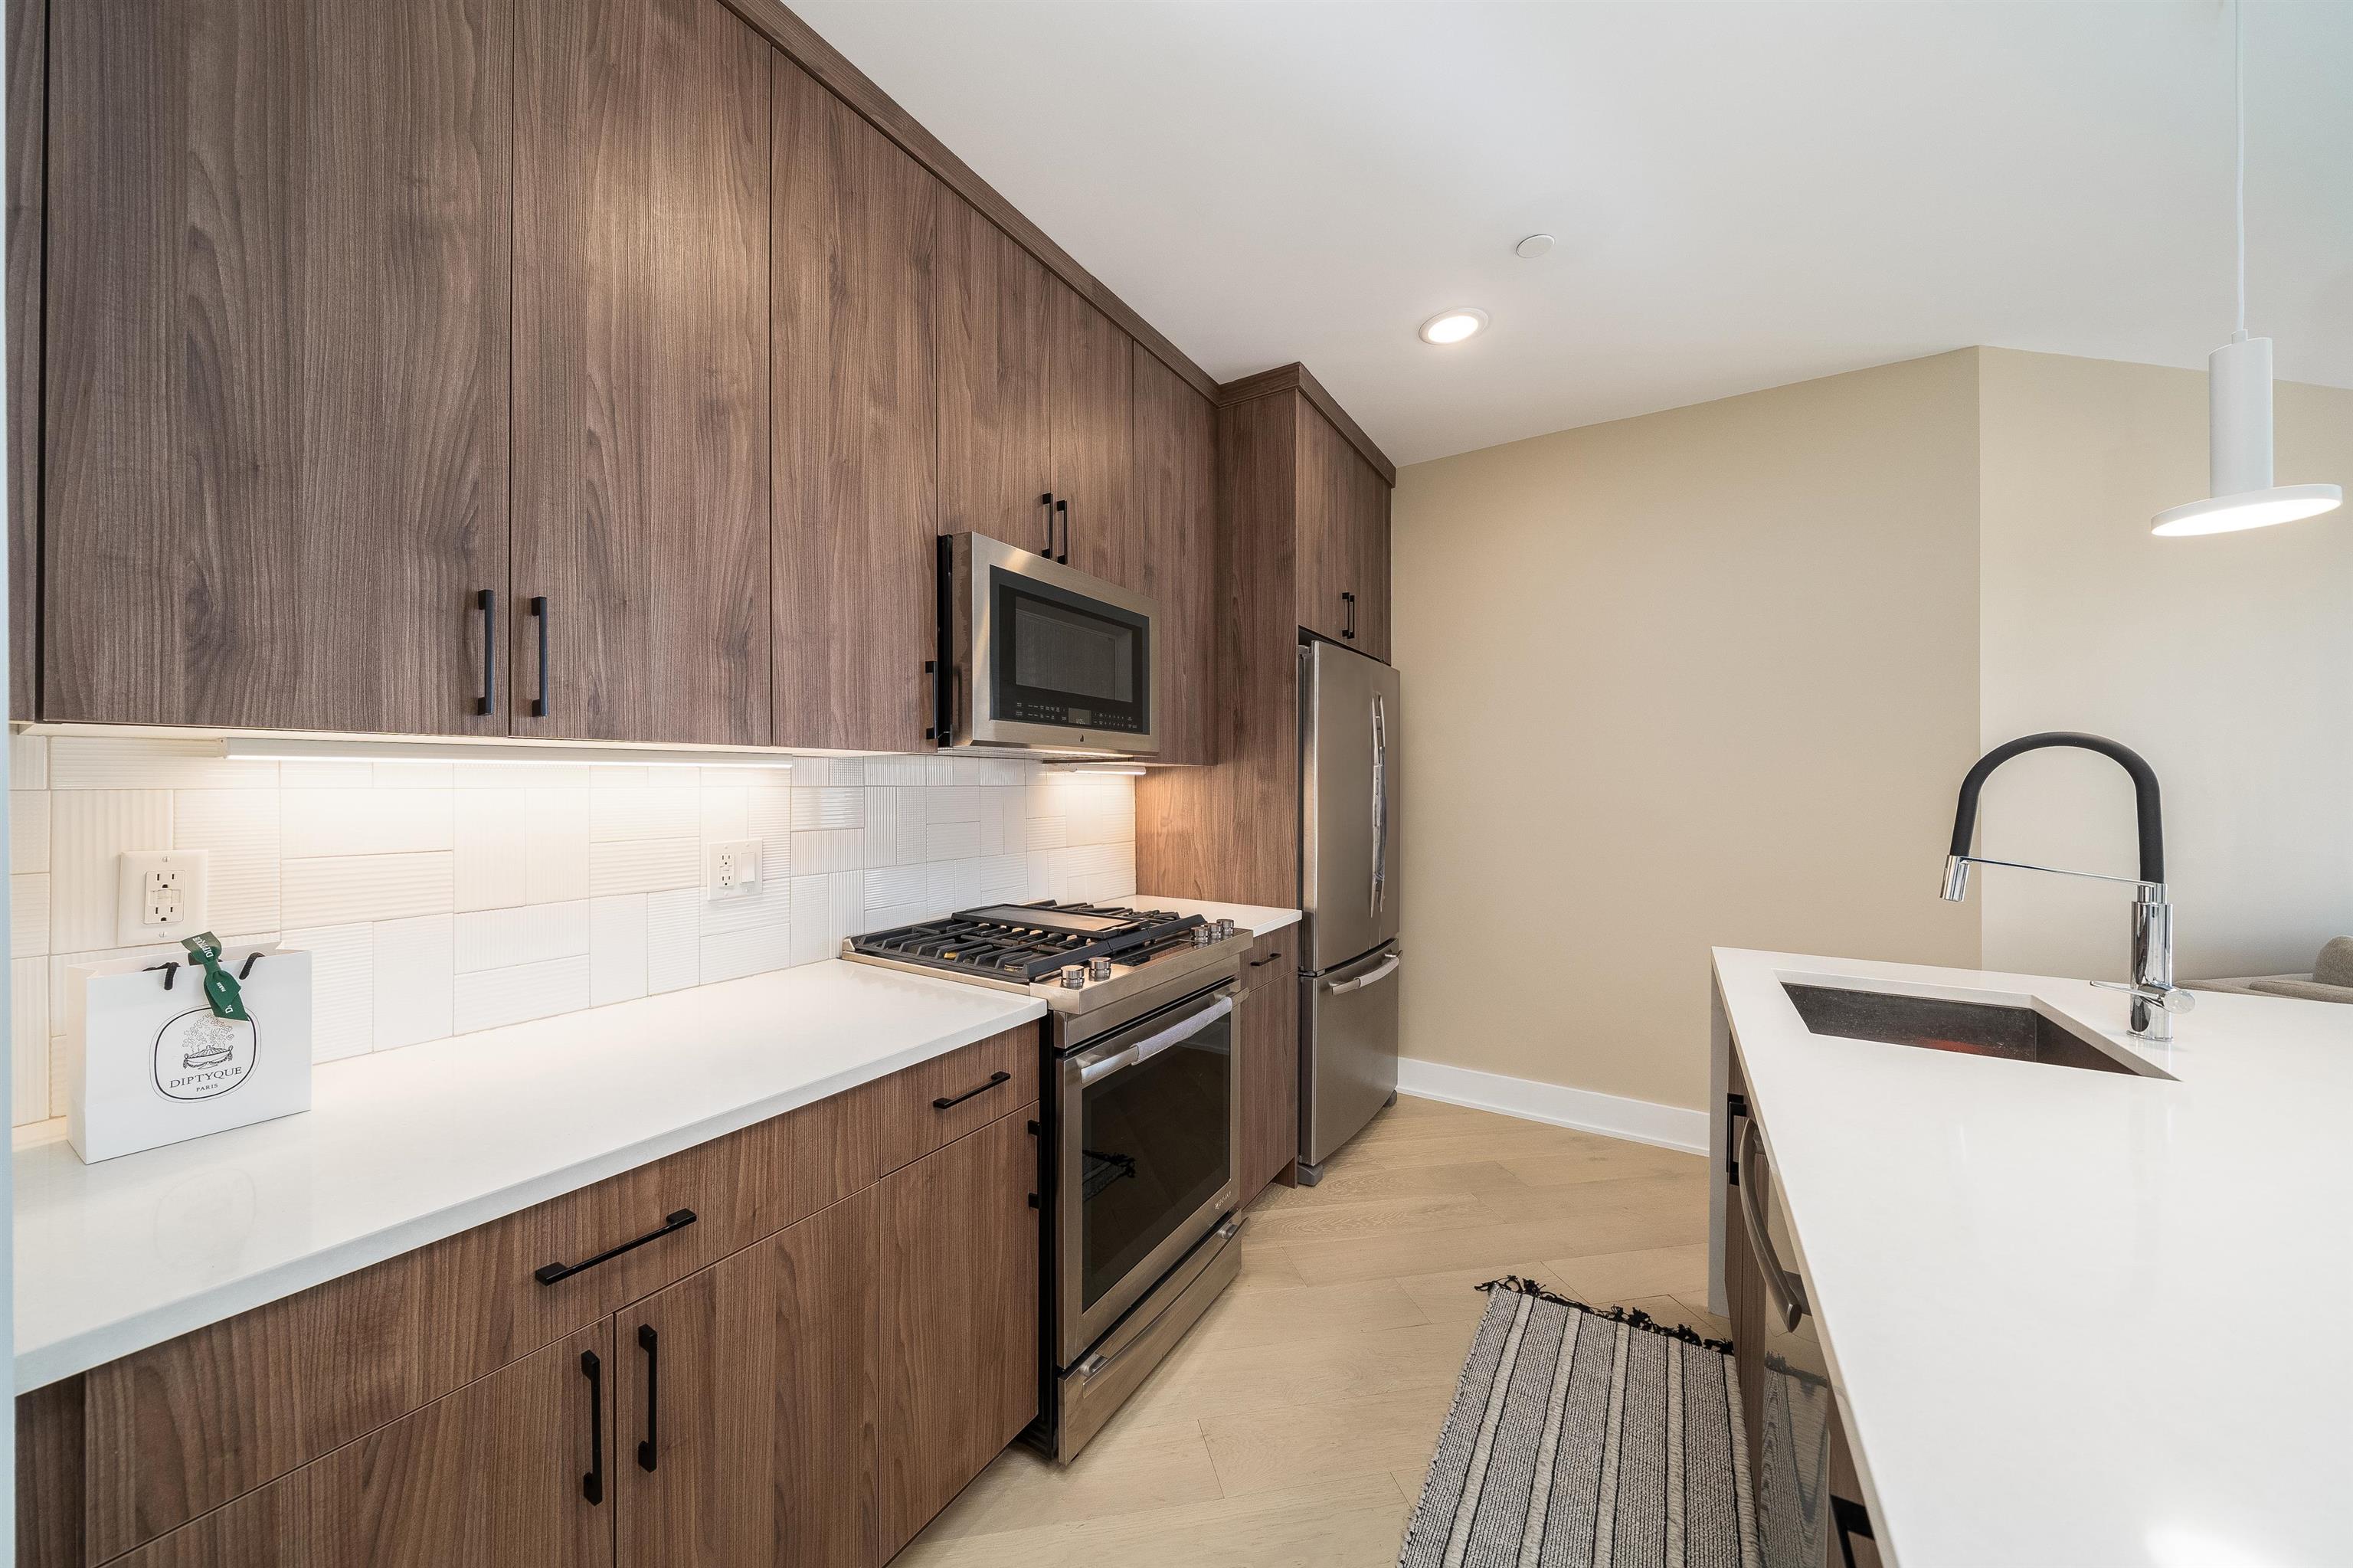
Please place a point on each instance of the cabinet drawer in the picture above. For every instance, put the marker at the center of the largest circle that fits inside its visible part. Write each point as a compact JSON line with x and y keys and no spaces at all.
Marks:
{"x":186,"y":1426}
{"x":935,"y":1102}
{"x":1272,"y":958}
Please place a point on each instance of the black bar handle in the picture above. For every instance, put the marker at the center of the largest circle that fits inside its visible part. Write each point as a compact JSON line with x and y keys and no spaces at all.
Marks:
{"x":1348,"y":607}
{"x":649,"y":1342}
{"x":946,"y":1100}
{"x":1262,"y":963}
{"x":539,"y":613}
{"x":592,"y":1484}
{"x":1063,"y":510}
{"x":548,"y":1274}
{"x":487,"y":601}
{"x":1046,"y":500}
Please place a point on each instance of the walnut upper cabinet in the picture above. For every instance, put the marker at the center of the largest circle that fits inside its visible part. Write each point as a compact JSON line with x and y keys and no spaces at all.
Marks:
{"x":277,"y":353}
{"x":1342,"y":579}
{"x":1036,"y":437}
{"x":1175,"y":513}
{"x":857,"y":226}
{"x":641,"y":347}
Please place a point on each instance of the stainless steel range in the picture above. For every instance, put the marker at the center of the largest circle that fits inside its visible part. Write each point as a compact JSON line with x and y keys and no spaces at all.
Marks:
{"x":1139,"y":1128}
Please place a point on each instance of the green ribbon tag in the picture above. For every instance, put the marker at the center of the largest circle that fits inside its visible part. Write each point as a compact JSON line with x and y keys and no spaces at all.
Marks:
{"x":221,"y":990}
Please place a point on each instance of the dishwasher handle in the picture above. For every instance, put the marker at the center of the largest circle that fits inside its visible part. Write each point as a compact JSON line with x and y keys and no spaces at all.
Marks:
{"x":1783,"y":1290}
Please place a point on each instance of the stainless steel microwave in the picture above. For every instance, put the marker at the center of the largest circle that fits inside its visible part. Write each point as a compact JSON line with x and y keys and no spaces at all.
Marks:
{"x":1035,"y":656}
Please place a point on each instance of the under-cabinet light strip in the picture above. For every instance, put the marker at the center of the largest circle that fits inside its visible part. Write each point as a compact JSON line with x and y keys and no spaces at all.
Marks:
{"x":244,"y":750}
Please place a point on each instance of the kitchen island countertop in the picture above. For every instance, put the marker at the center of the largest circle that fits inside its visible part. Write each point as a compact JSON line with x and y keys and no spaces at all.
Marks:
{"x":2074,"y":1317}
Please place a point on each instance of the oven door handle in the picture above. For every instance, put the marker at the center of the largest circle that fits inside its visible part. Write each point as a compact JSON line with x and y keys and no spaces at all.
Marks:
{"x":1151,"y":1046}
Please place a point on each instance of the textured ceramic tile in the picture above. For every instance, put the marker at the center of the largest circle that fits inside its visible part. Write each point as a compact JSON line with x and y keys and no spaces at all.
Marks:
{"x":343,"y":888}
{"x":1002,"y":877}
{"x":535,"y":933}
{"x":644,"y":866}
{"x":89,"y":831}
{"x":894,"y":771}
{"x":669,"y":813}
{"x":524,"y":776}
{"x":735,"y":954}
{"x":726,"y":813}
{"x":811,"y":921}
{"x":237,"y":829}
{"x":313,"y":775}
{"x":769,"y":904}
{"x":616,"y":948}
{"x":1047,"y":832}
{"x":28,"y":830}
{"x":848,"y":771}
{"x":951,"y":840}
{"x":343,"y":1000}
{"x":830,"y":807}
{"x":365,"y":821}
{"x":771,"y":819}
{"x":493,"y":833}
{"x":894,"y":895}
{"x":487,"y":999}
{"x":415,"y":982}
{"x":950,"y":885}
{"x":119,"y":762}
{"x":672,"y":939}
{"x":939,"y":770}
{"x":838,"y":849}
{"x":28,"y":1040}
{"x":558,"y":866}
{"x":60,"y":1076}
{"x":415,"y":774}
{"x":895,"y":826}
{"x":29,"y":916}
{"x":28,"y":761}
{"x":951,"y":803}
{"x":1004,"y":821}
{"x":616,"y":776}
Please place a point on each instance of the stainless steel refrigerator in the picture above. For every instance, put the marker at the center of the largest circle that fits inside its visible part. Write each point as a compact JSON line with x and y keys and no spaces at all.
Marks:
{"x":1350,"y":960}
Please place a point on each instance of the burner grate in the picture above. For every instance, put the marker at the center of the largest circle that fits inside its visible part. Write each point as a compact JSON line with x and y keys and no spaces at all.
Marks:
{"x":1037,"y":947}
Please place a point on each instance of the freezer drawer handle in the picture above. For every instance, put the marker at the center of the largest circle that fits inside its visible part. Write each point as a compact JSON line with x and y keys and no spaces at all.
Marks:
{"x":549,"y":1273}
{"x":1785,"y":1291}
{"x":1387,"y":967}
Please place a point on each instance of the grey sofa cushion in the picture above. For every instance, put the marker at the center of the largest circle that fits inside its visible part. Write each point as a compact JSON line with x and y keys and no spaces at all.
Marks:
{"x":2335,"y":965}
{"x":2308,"y":990}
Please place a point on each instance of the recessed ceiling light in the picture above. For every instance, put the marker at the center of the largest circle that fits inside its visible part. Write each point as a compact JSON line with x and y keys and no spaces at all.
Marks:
{"x":1454,"y":325}
{"x":1534,"y":246}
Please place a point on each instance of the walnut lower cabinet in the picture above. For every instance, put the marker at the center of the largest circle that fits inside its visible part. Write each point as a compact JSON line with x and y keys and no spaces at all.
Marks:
{"x":801,"y":1376}
{"x":1266,"y":1027}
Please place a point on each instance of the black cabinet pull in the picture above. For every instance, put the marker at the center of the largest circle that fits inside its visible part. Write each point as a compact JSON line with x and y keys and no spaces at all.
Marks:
{"x":548,"y":1274}
{"x":1262,"y":963}
{"x":946,"y":1100}
{"x":539,"y":614}
{"x":649,"y":1342}
{"x":1349,"y":608}
{"x":1063,"y":510}
{"x":1046,"y":500}
{"x":487,"y":601}
{"x":592,"y":1484}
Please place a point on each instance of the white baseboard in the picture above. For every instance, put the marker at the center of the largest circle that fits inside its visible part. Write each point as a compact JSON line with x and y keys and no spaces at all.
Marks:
{"x":1668,"y":1127}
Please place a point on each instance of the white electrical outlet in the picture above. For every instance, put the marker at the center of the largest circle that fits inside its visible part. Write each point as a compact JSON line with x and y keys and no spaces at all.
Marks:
{"x":734,"y":869}
{"x":160,"y":895}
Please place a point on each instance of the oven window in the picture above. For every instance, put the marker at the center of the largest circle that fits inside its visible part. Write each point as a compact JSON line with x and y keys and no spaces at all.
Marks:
{"x":1153,"y":1149}
{"x":1063,"y":659}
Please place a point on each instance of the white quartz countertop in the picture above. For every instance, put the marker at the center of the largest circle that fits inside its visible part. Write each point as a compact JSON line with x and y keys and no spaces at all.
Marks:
{"x":2074,"y":1318}
{"x":406,"y":1147}
{"x":1257,"y":919}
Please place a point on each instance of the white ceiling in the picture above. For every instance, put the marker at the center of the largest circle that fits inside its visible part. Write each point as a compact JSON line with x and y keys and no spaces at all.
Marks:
{"x":1745,"y":194}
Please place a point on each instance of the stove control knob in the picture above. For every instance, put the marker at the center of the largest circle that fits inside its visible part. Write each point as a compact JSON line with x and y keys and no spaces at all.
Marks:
{"x":1073,"y":976}
{"x":1203,"y":935}
{"x":1225,"y":929}
{"x":1099,"y":969}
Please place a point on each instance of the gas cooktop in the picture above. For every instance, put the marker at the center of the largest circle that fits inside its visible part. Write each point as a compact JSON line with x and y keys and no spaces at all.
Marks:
{"x":1072,"y":956}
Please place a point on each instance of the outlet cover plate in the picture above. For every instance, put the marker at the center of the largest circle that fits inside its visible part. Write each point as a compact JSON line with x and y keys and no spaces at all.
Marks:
{"x":733,"y":869}
{"x":176,"y":880}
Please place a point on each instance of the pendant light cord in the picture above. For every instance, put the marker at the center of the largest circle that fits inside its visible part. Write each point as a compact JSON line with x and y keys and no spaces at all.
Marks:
{"x":2239,"y":99}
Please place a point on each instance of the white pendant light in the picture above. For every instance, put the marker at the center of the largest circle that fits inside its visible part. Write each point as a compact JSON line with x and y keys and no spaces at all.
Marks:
{"x":2239,"y":398}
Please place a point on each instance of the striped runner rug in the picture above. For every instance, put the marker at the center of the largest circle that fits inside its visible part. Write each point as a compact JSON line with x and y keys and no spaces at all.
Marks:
{"x":1579,"y":1440}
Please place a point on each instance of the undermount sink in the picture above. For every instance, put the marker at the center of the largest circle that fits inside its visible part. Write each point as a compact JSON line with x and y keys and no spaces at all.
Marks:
{"x":1967,"y":1028}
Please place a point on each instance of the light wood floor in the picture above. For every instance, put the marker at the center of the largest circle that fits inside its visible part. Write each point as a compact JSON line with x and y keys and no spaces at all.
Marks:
{"x":1291,"y":1427}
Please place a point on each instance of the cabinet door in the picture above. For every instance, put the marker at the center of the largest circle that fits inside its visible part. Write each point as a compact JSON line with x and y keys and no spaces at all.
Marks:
{"x":1269,"y":1035}
{"x":1092,"y":407}
{"x":513,"y":1471}
{"x":856,"y":409}
{"x":641,"y":372}
{"x":1327,"y":552}
{"x":746,"y":1406}
{"x":276,"y":450}
{"x":1176,"y":516}
{"x":996,"y":459}
{"x":1371,"y":536}
{"x":960,"y":1319}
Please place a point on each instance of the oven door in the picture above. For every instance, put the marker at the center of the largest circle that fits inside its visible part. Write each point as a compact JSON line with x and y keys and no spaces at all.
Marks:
{"x":1042,"y":656}
{"x":1149,"y":1119}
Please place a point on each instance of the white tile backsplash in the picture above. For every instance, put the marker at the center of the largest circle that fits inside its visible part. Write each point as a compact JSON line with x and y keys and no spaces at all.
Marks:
{"x":438,"y":898}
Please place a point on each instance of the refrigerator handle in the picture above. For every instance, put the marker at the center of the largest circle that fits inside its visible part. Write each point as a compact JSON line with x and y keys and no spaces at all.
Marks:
{"x":1380,"y":804}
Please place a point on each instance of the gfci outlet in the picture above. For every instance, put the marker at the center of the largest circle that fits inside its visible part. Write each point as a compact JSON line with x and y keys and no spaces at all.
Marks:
{"x":734,"y":869}
{"x":160,"y":895}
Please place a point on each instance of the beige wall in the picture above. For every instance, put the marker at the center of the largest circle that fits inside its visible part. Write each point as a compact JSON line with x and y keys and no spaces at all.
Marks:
{"x":1705,"y":676}
{"x":2226,"y":660}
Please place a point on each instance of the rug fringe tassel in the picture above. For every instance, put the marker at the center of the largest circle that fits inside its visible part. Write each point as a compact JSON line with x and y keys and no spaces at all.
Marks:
{"x":1632,"y":1317}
